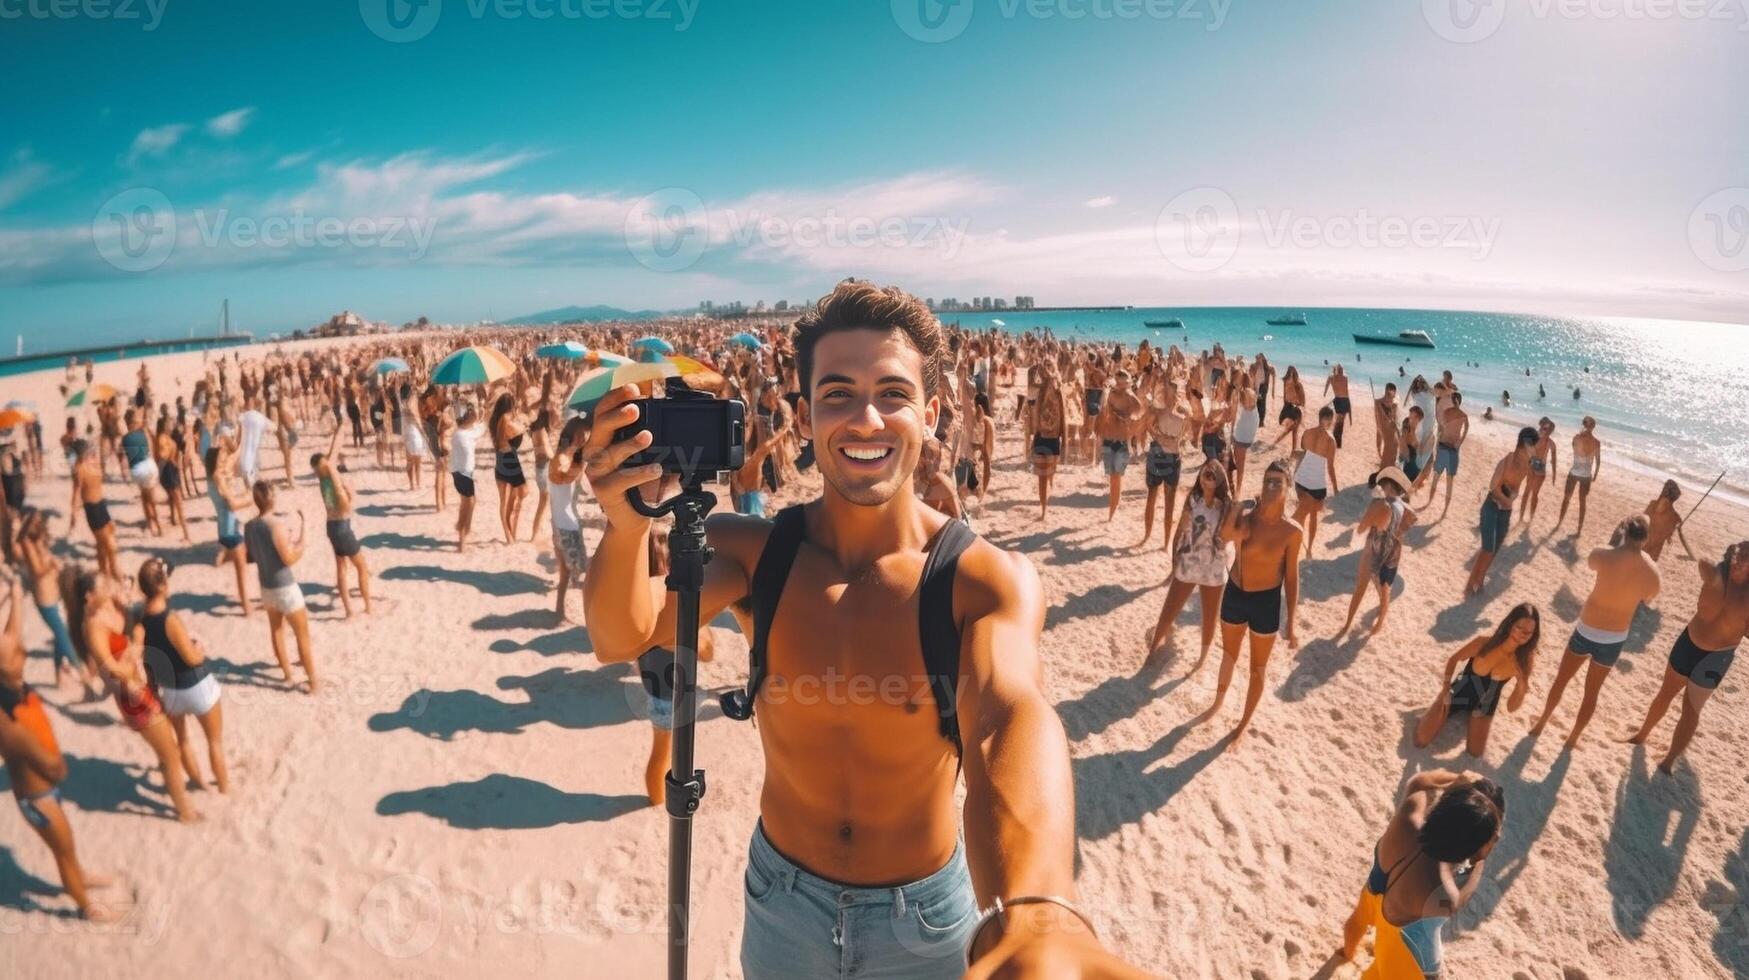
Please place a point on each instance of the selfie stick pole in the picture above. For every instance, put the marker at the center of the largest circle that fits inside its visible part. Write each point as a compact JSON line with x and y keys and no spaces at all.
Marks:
{"x":687,"y":555}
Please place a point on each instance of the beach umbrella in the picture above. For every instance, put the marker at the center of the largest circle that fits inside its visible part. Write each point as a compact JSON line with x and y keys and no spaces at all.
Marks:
{"x":601,"y":358}
{"x":10,"y":417}
{"x":390,"y":365}
{"x":569,"y":350}
{"x":598,"y":382}
{"x":653,"y":343}
{"x":473,"y":366}
{"x":747,"y":340}
{"x":91,"y":395}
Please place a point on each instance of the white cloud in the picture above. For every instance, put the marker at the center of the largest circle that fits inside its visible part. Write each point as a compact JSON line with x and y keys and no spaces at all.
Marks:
{"x":229,"y":124}
{"x":23,"y":176}
{"x":290,"y":160}
{"x":155,"y":141}
{"x":1100,"y":202}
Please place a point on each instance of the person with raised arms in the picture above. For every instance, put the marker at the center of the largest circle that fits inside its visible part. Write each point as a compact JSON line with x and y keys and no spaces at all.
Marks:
{"x":1496,"y":519}
{"x":858,"y":846}
{"x":1386,"y":519}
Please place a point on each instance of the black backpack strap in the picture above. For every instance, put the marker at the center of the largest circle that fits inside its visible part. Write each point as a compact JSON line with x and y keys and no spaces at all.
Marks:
{"x":788,"y":530}
{"x":937,"y":627}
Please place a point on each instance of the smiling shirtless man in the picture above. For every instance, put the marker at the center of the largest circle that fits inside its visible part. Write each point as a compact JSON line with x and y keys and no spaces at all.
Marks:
{"x":857,"y":859}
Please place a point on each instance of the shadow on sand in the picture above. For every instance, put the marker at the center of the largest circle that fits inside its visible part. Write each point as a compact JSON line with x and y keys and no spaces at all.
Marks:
{"x":500,"y":584}
{"x":1119,"y":788}
{"x":571,"y":699}
{"x":501,"y":802}
{"x":1655,"y":817}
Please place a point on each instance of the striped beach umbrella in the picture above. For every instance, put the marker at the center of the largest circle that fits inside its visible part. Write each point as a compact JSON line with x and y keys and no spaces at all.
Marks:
{"x":568,"y":350}
{"x":475,"y":365}
{"x":597,"y":383}
{"x":652,"y":343}
{"x":92,"y":395}
{"x":390,"y":365}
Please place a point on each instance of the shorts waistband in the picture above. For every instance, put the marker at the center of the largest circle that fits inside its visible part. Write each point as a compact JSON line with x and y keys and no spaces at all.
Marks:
{"x":947,"y":880}
{"x":1596,"y":635}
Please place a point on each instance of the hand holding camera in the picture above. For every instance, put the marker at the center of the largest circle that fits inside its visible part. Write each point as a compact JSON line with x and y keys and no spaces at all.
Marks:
{"x":605,"y":453}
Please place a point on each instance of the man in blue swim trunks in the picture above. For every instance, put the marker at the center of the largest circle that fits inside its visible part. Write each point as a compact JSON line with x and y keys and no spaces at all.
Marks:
{"x":1626,"y":577}
{"x":1509,"y":475}
{"x":1454,"y":428}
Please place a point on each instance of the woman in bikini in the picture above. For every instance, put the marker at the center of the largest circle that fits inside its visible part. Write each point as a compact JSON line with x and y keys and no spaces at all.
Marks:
{"x":1489,"y":664}
{"x":506,"y":430}
{"x":167,"y":447}
{"x":1425,"y":867}
{"x":101,"y":626}
{"x":34,"y":764}
{"x":1201,"y":556}
{"x":1293,"y":406}
{"x":1544,"y":465}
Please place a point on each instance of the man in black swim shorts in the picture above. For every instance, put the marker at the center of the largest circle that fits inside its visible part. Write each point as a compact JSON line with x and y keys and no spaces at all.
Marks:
{"x":1267,"y":566}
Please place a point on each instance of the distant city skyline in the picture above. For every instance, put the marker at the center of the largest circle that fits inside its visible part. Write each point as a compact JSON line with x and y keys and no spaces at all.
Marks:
{"x":477,"y":163}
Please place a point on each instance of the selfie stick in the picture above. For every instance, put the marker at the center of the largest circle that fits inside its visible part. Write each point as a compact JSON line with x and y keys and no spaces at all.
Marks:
{"x":687,"y":555}
{"x":1702,"y":500}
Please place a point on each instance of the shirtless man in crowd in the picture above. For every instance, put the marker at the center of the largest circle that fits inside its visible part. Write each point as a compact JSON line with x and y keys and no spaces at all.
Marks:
{"x":1268,"y":564}
{"x":1454,"y":428}
{"x":1509,"y":475}
{"x":1626,"y":577}
{"x":1047,"y":428}
{"x":88,"y":499}
{"x":1113,"y":426}
{"x":1337,"y":385}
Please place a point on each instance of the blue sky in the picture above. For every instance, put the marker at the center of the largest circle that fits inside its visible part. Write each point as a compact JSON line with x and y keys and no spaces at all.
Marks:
{"x":472,"y":158}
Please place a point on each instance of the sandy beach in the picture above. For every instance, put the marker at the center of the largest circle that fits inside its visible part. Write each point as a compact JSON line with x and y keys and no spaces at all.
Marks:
{"x":465,"y":793}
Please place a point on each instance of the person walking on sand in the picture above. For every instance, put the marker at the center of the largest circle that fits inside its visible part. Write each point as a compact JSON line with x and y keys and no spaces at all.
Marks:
{"x":508,"y":427}
{"x":1587,"y":466}
{"x":1048,"y":428}
{"x":177,"y":663}
{"x":1112,"y":425}
{"x":1544,"y":465}
{"x":463,"y":445}
{"x":227,"y":500}
{"x":1626,"y":577}
{"x":275,"y":552}
{"x":1454,"y":428}
{"x":1315,"y":476}
{"x":1490,"y":663}
{"x":564,"y":473}
{"x":1268,"y":565}
{"x":1166,"y":426}
{"x":1702,"y":655}
{"x":1338,"y":382}
{"x":136,"y":448}
{"x":1425,"y":867}
{"x":1509,"y":475}
{"x":432,"y":405}
{"x":337,"y":502}
{"x":34,"y":764}
{"x":38,"y":561}
{"x":88,"y":499}
{"x":1386,"y":519}
{"x":1386,"y":425}
{"x":1201,"y":554}
{"x":1662,"y":519}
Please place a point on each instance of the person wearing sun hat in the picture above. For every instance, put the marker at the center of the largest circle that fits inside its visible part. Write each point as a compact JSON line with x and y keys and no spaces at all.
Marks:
{"x":1386,"y":519}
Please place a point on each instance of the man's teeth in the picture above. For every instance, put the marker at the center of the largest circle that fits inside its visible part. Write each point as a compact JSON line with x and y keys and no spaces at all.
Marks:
{"x":866,"y":455}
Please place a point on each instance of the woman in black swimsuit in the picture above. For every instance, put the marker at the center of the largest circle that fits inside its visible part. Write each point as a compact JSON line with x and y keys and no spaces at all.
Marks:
{"x":507,"y":428}
{"x":1489,"y":663}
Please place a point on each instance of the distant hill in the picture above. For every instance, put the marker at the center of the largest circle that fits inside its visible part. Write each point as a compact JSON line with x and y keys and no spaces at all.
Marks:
{"x":583,"y":314}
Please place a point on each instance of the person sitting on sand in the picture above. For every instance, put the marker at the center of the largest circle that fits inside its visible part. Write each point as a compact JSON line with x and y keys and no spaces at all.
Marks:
{"x":1662,"y":519}
{"x":1509,"y":475}
{"x":1268,"y":564}
{"x":1454,"y":428}
{"x":1425,"y":867}
{"x":337,"y":502}
{"x":34,"y":764}
{"x":1702,"y":655}
{"x":1315,"y":476}
{"x":177,"y":662}
{"x":859,"y":793}
{"x":1587,"y":466}
{"x":1490,"y":663}
{"x":1626,"y":577}
{"x":1386,"y":519}
{"x":102,"y":632}
{"x":275,"y":553}
{"x":1201,"y":555}
{"x":1544,"y":465}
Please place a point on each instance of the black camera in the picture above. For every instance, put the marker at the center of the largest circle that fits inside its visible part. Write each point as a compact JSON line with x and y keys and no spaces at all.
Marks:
{"x":692,"y":433}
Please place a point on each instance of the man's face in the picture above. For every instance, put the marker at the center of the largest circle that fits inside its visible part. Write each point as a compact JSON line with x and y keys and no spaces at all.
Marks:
{"x":867,"y":413}
{"x":1274,"y":485}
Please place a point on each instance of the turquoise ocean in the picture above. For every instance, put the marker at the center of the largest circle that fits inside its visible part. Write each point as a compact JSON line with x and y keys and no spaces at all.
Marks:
{"x":1672,"y":396}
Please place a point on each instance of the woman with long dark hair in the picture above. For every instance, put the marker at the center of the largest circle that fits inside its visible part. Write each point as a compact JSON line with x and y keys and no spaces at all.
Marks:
{"x":1490,"y":663}
{"x":506,"y":429}
{"x":1201,"y":555}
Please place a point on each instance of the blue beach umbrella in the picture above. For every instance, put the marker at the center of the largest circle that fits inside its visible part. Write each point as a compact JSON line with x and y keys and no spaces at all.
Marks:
{"x":390,"y":365}
{"x":747,"y":340}
{"x":653,"y":343}
{"x":568,"y":350}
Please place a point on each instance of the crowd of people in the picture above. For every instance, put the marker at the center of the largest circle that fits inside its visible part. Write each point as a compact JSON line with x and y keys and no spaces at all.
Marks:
{"x":900,"y":417}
